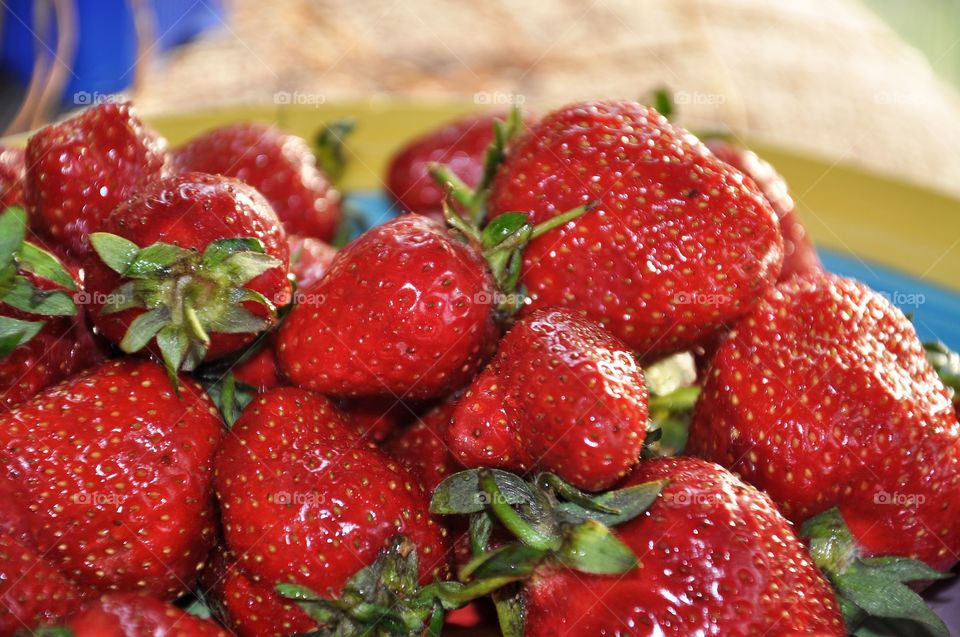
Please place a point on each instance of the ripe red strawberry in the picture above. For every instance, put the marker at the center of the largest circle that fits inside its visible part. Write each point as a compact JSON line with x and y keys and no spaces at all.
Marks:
{"x":461,"y":145}
{"x":260,"y":370}
{"x":116,"y":471}
{"x":44,"y":337}
{"x":679,"y":243}
{"x":561,"y":395}
{"x":422,"y":449}
{"x":81,"y":169}
{"x":195,"y":264}
{"x":12,"y":168}
{"x":799,"y":255}
{"x":305,"y":500}
{"x":309,"y":259}
{"x":406,"y":310}
{"x":377,"y":418}
{"x":32,"y":591}
{"x":133,"y":615}
{"x":716,"y":557}
{"x":823,"y":398}
{"x":248,"y":608}
{"x":280,"y":166}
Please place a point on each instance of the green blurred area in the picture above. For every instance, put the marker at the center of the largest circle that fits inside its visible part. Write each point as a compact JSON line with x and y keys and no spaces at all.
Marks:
{"x":932,"y":26}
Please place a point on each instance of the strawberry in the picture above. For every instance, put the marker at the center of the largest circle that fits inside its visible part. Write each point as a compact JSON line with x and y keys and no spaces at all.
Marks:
{"x":194,"y":265}
{"x":280,"y":166}
{"x":12,"y":169}
{"x":561,"y":395}
{"x":250,"y":609}
{"x":799,"y":255}
{"x":422,"y":449}
{"x":716,"y":558}
{"x":32,"y":591}
{"x":81,"y":169}
{"x":133,"y":615}
{"x":377,"y":418}
{"x":43,"y":338}
{"x":460,"y":145}
{"x":305,"y":500}
{"x":848,"y":413}
{"x":679,"y":245}
{"x":122,"y":499}
{"x":309,"y":259}
{"x":259,"y":370}
{"x":405,"y":310}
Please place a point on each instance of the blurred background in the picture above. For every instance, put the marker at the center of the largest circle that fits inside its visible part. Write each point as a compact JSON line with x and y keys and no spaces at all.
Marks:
{"x":871,"y":83}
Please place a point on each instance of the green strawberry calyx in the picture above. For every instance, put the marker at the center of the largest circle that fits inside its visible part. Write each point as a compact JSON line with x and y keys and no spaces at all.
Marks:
{"x":187,"y":295}
{"x":330,"y":150}
{"x":869,"y":586}
{"x":19,"y":257}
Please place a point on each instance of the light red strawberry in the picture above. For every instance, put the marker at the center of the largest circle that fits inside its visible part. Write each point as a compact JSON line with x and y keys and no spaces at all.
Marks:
{"x":309,"y":259}
{"x":306,"y":501}
{"x":404,"y":311}
{"x":822,"y":397}
{"x":716,"y":557}
{"x":79,"y":170}
{"x":679,"y":244}
{"x":12,"y":169}
{"x":799,"y":255}
{"x":561,"y":395}
{"x":133,"y":615}
{"x":116,"y":471}
{"x":279,"y":165}
{"x":193,"y":265}
{"x":460,"y":145}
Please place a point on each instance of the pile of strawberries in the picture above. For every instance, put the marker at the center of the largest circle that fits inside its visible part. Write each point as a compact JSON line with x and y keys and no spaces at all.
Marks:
{"x":592,"y":381}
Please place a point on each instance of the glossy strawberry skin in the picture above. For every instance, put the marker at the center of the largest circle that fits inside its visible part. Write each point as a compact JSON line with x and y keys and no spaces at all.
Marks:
{"x":250,"y":609}
{"x":117,"y":473}
{"x":304,"y":499}
{"x":799,"y":255}
{"x":79,"y":170}
{"x":422,"y":448}
{"x":822,"y":397}
{"x":717,"y":558}
{"x":459,"y":144}
{"x":280,"y":166}
{"x":12,"y":169}
{"x":32,"y":591}
{"x":678,"y":245}
{"x":133,"y":615}
{"x":309,"y":259}
{"x":405,"y":311}
{"x":191,"y":210}
{"x":561,"y":395}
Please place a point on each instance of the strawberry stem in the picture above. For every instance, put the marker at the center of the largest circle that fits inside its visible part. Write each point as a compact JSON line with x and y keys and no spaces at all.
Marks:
{"x":510,"y":518}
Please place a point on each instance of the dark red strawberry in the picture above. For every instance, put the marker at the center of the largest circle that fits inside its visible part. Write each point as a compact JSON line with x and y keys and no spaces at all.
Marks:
{"x":799,"y":255}
{"x":280,"y":166}
{"x":422,"y":449}
{"x":716,"y":557}
{"x":43,"y":337}
{"x":260,"y":369}
{"x":377,"y":418}
{"x":32,"y":591}
{"x":306,"y":501}
{"x":248,"y":608}
{"x":561,"y":395}
{"x":116,"y":470}
{"x":679,"y":244}
{"x":81,"y":169}
{"x":309,"y":259}
{"x":194,"y":265}
{"x":460,"y":145}
{"x":12,"y":168}
{"x":406,"y":310}
{"x":822,"y":397}
{"x":133,"y":615}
